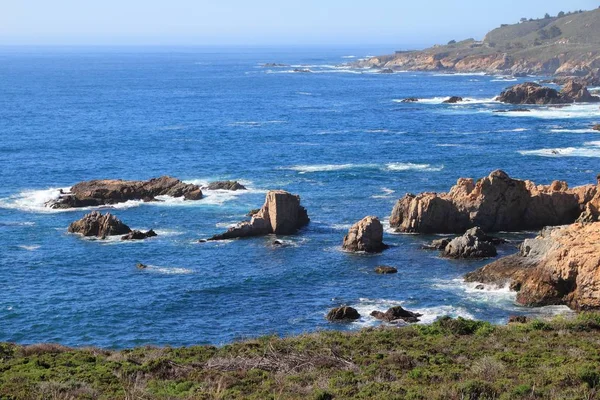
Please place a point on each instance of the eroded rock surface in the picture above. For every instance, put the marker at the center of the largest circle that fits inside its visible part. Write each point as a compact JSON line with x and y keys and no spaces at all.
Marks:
{"x":341,"y":314}
{"x":366,"y":235}
{"x":533,"y":93}
{"x":96,"y":224}
{"x":139,"y":235}
{"x":473,"y":244}
{"x":494,"y":203}
{"x":281,"y":214}
{"x":395,"y":314}
{"x":112,"y":191}
{"x":225,"y":185}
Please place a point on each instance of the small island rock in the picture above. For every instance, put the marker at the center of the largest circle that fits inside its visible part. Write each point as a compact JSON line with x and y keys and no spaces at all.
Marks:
{"x":341,"y":314}
{"x":366,"y":235}
{"x":96,"y":224}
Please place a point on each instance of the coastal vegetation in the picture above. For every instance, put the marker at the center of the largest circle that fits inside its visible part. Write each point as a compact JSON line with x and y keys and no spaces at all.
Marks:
{"x":449,"y":359}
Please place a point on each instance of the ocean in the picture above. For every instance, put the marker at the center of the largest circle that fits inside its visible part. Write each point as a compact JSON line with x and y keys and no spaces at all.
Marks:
{"x":340,"y":138}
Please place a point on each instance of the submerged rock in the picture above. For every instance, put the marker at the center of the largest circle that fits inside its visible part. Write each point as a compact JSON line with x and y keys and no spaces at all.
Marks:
{"x":96,"y":224}
{"x":384,"y":270}
{"x":410,"y":100}
{"x":281,"y":214}
{"x":225,"y":185}
{"x":494,"y":203}
{"x":139,"y":235}
{"x":110,"y":191}
{"x":560,"y":266}
{"x":341,"y":314}
{"x":453,"y":100}
{"x":141,"y":266}
{"x":366,"y":235}
{"x":397,"y":313}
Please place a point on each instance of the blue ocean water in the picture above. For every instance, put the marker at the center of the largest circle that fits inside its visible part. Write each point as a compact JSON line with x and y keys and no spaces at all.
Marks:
{"x":337,"y":137}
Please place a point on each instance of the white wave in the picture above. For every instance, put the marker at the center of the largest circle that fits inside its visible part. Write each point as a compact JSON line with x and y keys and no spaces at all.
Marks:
{"x":304,"y":93}
{"x":489,"y":293}
{"x":514,"y":130}
{"x":29,"y":247}
{"x":348,"y":56}
{"x":588,"y":130}
{"x":168,"y":270}
{"x":460,"y":74}
{"x":572,"y":111}
{"x":255,"y":123}
{"x":225,"y":225}
{"x":449,"y":145}
{"x":341,"y":227}
{"x":440,"y":100}
{"x":304,"y":169}
{"x":377,"y":131}
{"x":504,"y":80}
{"x":592,"y":151}
{"x":412,"y":167}
{"x":168,"y":232}
{"x":33,"y":200}
{"x":387,"y":193}
{"x":28,"y":223}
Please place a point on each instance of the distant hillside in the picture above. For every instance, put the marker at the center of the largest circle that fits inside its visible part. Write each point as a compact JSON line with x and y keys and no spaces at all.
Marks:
{"x":568,"y":44}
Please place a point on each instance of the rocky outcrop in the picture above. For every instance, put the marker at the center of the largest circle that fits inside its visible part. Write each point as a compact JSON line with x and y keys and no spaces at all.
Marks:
{"x":596,"y":127}
{"x":103,"y":192}
{"x":395,"y":314}
{"x":366,"y":235}
{"x":513,"y":110}
{"x":494,"y":203}
{"x":141,"y":266}
{"x":281,"y":214}
{"x":225,"y":185}
{"x":139,"y":235}
{"x":386,"y":71}
{"x":96,"y":224}
{"x":473,"y":244}
{"x":560,"y":266}
{"x":437,"y":244}
{"x":453,"y":100}
{"x":342,"y":314}
{"x":409,"y":100}
{"x":532,"y":93}
{"x":385,"y":270}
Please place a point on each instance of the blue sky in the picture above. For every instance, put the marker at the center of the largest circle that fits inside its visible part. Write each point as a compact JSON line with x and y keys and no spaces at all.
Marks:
{"x":263,"y":22}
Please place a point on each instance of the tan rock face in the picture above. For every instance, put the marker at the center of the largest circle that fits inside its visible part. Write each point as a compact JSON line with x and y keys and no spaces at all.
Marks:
{"x":281,"y":214}
{"x":366,"y":235}
{"x":494,"y":203}
{"x":111,"y":191}
{"x":560,"y":266}
{"x":96,"y":224}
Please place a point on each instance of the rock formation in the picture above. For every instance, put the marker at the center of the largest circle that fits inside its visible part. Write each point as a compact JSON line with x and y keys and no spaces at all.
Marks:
{"x":366,"y":235}
{"x":281,"y":214}
{"x":385,"y":270}
{"x":560,"y":266}
{"x":395,"y":314}
{"x":225,"y":185}
{"x":495,"y":203}
{"x":596,"y":127}
{"x":96,"y":224}
{"x":341,"y":314}
{"x":139,"y":235}
{"x":532,"y":93}
{"x":102,"y":192}
{"x":453,"y":100}
{"x":409,"y":100}
{"x":473,"y":244}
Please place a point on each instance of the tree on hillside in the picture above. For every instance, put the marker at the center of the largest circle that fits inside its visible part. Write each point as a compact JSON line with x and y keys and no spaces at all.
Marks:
{"x":547,"y":16}
{"x":561,"y":14}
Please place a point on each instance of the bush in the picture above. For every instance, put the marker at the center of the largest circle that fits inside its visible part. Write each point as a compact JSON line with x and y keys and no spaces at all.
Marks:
{"x":475,"y":390}
{"x":589,"y":375}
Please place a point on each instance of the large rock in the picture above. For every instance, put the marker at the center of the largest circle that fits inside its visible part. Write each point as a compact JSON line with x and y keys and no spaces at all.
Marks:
{"x":110,"y":191}
{"x":342,"y":314}
{"x":395,"y":314}
{"x":495,"y":203}
{"x":281,"y":214}
{"x":225,"y":185}
{"x":473,"y":244}
{"x":366,"y":235}
{"x":96,"y":224}
{"x":532,"y":93}
{"x":560,"y":266}
{"x":453,"y":100}
{"x":139,"y":235}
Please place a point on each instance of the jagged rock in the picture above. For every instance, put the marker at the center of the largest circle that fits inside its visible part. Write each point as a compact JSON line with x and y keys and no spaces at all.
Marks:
{"x":453,"y":100}
{"x":281,"y":214}
{"x":96,"y":224}
{"x":341,"y":314}
{"x":495,"y":203}
{"x":102,"y":192}
{"x":139,"y":235}
{"x":141,"y":266}
{"x":397,"y":313}
{"x":252,"y":212}
{"x":437,"y":244}
{"x":410,"y":100}
{"x":366,"y":235}
{"x":532,"y":93}
{"x":225,"y":185}
{"x":473,"y":244}
{"x":560,"y":266}
{"x":384,"y":270}
{"x":386,"y":71}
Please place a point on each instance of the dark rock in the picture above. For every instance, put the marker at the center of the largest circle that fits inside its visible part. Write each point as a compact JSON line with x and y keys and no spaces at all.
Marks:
{"x":437,"y":244}
{"x":366,"y":235}
{"x":532,"y":93}
{"x":341,"y":314}
{"x":141,"y":266}
{"x":513,"y":110}
{"x":518,"y":319}
{"x":396,"y":313}
{"x":96,"y":224}
{"x":302,"y":70}
{"x":578,"y":93}
{"x":384,"y":269}
{"x":596,"y":127}
{"x":479,"y":287}
{"x":473,"y":244}
{"x":453,"y":100}
{"x":104,"y":192}
{"x":386,"y":71}
{"x":225,"y":185}
{"x":281,"y":214}
{"x":410,"y":100}
{"x":139,"y":235}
